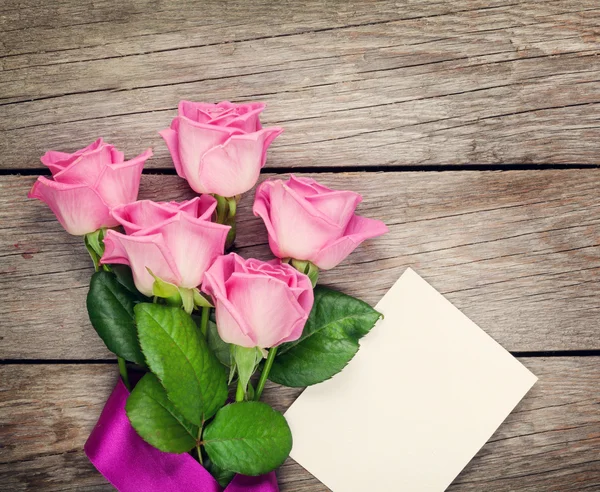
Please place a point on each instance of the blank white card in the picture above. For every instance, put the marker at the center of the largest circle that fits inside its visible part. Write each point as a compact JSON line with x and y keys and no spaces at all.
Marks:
{"x":425,"y":392}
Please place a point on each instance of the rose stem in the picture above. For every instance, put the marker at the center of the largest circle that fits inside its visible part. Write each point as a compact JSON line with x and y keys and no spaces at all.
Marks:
{"x":123,"y":371}
{"x":239,"y":391}
{"x":204,"y":320}
{"x":265,"y":373}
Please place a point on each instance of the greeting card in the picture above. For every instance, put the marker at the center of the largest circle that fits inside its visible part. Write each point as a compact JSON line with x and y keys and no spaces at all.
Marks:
{"x":425,"y":392}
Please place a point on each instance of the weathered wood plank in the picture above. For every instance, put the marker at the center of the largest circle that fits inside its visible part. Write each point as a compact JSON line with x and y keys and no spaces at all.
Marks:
{"x":440,"y":83}
{"x":549,"y":442}
{"x":72,"y":31}
{"x":517,"y":251}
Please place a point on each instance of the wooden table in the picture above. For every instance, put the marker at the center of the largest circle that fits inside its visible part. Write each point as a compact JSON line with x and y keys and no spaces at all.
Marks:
{"x":470,"y":127}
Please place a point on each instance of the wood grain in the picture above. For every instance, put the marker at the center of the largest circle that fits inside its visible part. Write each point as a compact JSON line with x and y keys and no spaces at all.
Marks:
{"x":368,"y":83}
{"x":550,"y":442}
{"x":363,"y":84}
{"x":516,"y":251}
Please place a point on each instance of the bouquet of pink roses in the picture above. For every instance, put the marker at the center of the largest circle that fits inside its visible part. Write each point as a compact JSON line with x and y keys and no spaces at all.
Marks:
{"x":195,"y":321}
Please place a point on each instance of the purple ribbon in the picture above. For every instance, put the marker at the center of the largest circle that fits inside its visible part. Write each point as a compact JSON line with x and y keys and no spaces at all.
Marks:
{"x":130,"y":464}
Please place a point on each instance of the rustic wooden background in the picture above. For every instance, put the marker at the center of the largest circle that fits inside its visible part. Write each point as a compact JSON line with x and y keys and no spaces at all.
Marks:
{"x":471,"y":127}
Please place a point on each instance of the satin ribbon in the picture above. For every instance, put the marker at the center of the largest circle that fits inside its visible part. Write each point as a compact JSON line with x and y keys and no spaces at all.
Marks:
{"x":132,"y":465}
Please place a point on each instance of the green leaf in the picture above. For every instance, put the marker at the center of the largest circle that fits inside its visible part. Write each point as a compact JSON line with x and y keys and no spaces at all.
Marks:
{"x":125,"y":278}
{"x":248,"y":438}
{"x":156,"y":419}
{"x":329,"y":340}
{"x":110,"y":307}
{"x":179,"y":356}
{"x":219,"y":474}
{"x":221,"y":349}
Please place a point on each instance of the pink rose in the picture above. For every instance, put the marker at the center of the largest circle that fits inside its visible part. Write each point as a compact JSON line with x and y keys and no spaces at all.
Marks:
{"x":219,"y":148}
{"x":258,"y":304}
{"x":308,"y":221}
{"x":176,"y":241}
{"x":86,"y":185}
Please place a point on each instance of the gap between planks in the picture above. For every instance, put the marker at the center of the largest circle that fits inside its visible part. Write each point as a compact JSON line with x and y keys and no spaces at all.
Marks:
{"x":376,"y":168}
{"x":532,"y":354}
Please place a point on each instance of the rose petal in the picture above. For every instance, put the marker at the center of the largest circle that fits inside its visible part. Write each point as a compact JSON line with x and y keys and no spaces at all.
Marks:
{"x":78,"y":208}
{"x":299,"y":189}
{"x":143,"y":214}
{"x":337,"y":206}
{"x":87,"y":168}
{"x":294,"y":334}
{"x":231,"y":326}
{"x":272,"y":134}
{"x":267,"y":305}
{"x":246,"y":117}
{"x":254,"y":306}
{"x":170,"y":136}
{"x":261,"y":208}
{"x":120,"y":183}
{"x":303,"y":186}
{"x":193,"y":243}
{"x":217,"y":274}
{"x":201,"y":207}
{"x":117,"y":157}
{"x":203,"y":112}
{"x":233,"y":167}
{"x":303,"y":291}
{"x":359,"y":229}
{"x":194,"y":140}
{"x":141,"y":253}
{"x":307,"y":186}
{"x":300,"y":229}
{"x":57,"y":161}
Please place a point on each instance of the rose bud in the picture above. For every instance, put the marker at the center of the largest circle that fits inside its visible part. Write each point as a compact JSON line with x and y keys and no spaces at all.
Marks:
{"x":308,"y":221}
{"x":175,"y":242}
{"x":219,"y":148}
{"x":258,"y":304}
{"x":87,"y":184}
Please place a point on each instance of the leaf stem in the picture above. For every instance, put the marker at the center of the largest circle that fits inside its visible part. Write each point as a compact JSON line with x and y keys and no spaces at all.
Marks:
{"x":204,"y":320}
{"x":265,"y":373}
{"x":123,"y":371}
{"x":198,"y":447}
{"x":239,"y":391}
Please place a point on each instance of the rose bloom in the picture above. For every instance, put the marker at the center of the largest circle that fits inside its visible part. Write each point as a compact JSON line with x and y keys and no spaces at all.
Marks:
{"x":219,"y":148}
{"x":308,"y":221}
{"x":176,"y":241}
{"x":257,"y":303}
{"x":87,"y":184}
